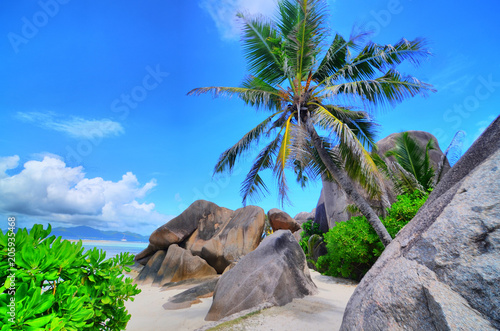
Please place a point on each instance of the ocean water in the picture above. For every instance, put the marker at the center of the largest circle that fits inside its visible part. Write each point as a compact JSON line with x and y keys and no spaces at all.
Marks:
{"x":113,"y":248}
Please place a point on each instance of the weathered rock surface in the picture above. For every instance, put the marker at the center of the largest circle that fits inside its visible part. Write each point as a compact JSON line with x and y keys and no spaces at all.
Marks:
{"x":236,"y":238}
{"x":282,"y":221}
{"x":192,"y":296}
{"x":443,"y":269}
{"x":333,"y":200}
{"x":303,"y":216}
{"x":148,"y":273}
{"x":220,"y":237}
{"x":276,"y":272}
{"x":200,"y":213}
{"x":179,"y":264}
{"x":331,"y":206}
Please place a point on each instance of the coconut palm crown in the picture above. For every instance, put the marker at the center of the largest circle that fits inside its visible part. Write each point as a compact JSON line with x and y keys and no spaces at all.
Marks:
{"x":308,"y":83}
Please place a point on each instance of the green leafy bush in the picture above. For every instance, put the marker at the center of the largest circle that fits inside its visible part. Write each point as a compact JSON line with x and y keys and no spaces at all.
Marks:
{"x":353,"y":246}
{"x":58,"y":286}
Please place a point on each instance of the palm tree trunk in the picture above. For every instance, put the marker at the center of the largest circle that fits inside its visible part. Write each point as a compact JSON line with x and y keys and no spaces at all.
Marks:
{"x":348,"y":186}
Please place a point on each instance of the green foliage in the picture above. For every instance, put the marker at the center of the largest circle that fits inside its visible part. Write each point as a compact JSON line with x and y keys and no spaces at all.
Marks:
{"x":412,"y":169}
{"x":59,"y":287}
{"x":310,"y":228}
{"x":353,"y":246}
{"x":309,"y":239}
{"x":403,"y":210}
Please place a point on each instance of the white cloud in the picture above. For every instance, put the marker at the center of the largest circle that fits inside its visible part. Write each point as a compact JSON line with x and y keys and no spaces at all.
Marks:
{"x":75,"y":127}
{"x":223,"y":12}
{"x":7,"y":163}
{"x":50,"y":190}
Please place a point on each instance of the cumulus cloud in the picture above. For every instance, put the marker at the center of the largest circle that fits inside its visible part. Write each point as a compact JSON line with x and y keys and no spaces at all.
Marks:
{"x":75,"y":127}
{"x":223,"y":12}
{"x":50,"y":190}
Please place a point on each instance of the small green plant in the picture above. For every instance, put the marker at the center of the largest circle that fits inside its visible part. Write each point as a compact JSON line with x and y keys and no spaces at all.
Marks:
{"x":310,"y":228}
{"x":353,"y":246}
{"x":309,"y":239}
{"x":59,"y":287}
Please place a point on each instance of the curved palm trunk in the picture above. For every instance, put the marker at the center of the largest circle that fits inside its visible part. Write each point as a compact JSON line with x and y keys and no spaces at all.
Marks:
{"x":348,"y":186}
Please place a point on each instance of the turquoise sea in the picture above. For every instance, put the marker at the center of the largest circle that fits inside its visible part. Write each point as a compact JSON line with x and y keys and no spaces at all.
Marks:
{"x":112,"y":248}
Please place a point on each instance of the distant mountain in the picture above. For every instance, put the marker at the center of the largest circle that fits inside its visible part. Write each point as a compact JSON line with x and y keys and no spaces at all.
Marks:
{"x":86,"y":232}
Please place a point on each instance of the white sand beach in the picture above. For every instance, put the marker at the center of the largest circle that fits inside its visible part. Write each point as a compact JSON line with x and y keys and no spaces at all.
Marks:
{"x":322,"y":311}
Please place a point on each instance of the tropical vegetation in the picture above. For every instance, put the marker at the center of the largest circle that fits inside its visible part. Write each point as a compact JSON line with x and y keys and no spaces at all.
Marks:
{"x":353,"y":246}
{"x":52,"y":284}
{"x":312,"y":83}
{"x":310,"y":237}
{"x":411,"y":169}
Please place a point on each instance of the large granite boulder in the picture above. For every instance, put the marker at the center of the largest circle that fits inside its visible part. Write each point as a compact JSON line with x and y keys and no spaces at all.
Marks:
{"x":192,"y":295}
{"x":331,"y":206}
{"x":179,"y":264}
{"x":220,"y":237}
{"x":150,"y":270}
{"x":443,"y":269}
{"x":333,"y":200}
{"x":200,"y":214}
{"x":304,"y":216}
{"x":282,"y":221}
{"x":276,"y":272}
{"x":236,"y":238}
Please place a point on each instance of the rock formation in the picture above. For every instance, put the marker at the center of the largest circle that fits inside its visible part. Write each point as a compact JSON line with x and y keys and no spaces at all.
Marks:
{"x":191,"y":296}
{"x":282,"y":221}
{"x":443,"y":269}
{"x":179,"y":264}
{"x":303,"y":216}
{"x":333,"y":200}
{"x":200,"y":213}
{"x":276,"y":272}
{"x":148,"y":273}
{"x":203,"y":240}
{"x":239,"y":236}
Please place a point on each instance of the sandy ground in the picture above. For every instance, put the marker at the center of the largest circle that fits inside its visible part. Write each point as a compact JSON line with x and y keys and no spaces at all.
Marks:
{"x":322,"y":311}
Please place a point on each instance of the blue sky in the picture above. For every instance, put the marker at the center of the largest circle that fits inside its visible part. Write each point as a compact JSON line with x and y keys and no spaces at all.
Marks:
{"x":96,"y":128}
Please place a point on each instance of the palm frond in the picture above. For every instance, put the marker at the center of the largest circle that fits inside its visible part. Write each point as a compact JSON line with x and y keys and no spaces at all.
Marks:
{"x":253,"y":185}
{"x":359,"y":122}
{"x":271,"y":101}
{"x":283,"y":159}
{"x":261,"y":45}
{"x":228,"y":158}
{"x":259,"y":96}
{"x":358,"y":162}
{"x":336,"y":57}
{"x":413,"y":158}
{"x":301,"y":24}
{"x":375,"y":58}
{"x":389,"y":89}
{"x":403,"y":181}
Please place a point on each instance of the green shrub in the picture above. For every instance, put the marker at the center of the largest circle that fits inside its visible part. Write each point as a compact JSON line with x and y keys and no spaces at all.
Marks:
{"x":58,"y":286}
{"x":403,"y":210}
{"x":353,"y":246}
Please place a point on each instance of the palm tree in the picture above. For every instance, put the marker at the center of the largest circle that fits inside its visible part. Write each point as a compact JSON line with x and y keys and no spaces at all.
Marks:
{"x":306,"y":87}
{"x":411,"y":171}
